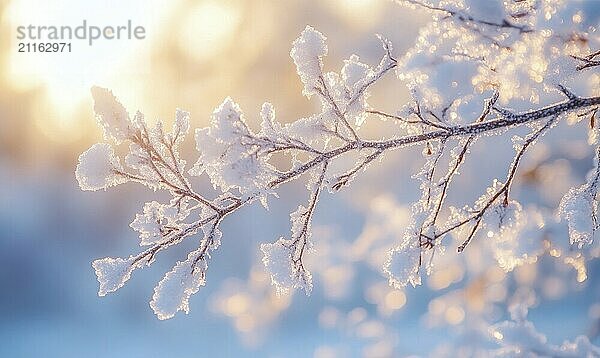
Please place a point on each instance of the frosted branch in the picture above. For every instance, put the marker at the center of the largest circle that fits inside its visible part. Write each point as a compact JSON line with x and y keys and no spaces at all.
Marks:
{"x":238,"y":160}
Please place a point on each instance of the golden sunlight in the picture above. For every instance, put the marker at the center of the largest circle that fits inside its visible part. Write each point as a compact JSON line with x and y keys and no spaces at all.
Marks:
{"x":208,"y":29}
{"x":66,"y":77}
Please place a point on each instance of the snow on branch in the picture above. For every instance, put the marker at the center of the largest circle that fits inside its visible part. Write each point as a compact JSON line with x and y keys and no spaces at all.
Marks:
{"x":588,"y":61}
{"x":446,"y":119}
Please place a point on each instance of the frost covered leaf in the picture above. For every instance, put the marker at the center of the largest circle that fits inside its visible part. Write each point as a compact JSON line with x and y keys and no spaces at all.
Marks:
{"x":112,"y":273}
{"x":354,"y":74}
{"x":156,"y":221}
{"x":181,"y":126}
{"x":99,"y":168}
{"x":270,"y":128}
{"x":311,"y":130}
{"x":285,"y":273}
{"x":578,"y":208}
{"x":277,"y":258}
{"x":173,"y":292}
{"x":111,"y":115}
{"x":308,"y":51}
{"x":228,"y":153}
{"x":139,"y":160}
{"x":283,"y":259}
{"x":403,"y":262}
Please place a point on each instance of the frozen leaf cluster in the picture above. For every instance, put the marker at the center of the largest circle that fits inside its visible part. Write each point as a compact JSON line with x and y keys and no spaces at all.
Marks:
{"x":278,"y":262}
{"x":579,"y":209}
{"x":111,"y":115}
{"x":113,"y":273}
{"x":173,"y":292}
{"x":230,"y":155}
{"x":403,"y":264}
{"x":283,"y":259}
{"x":98,"y":168}
{"x":156,"y":221}
{"x":307,"y":52}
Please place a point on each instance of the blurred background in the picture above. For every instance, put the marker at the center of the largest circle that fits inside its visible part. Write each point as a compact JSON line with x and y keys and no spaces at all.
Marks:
{"x":195,"y":54}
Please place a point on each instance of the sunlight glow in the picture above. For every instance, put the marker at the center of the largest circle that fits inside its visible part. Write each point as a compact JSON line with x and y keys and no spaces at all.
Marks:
{"x":361,"y":13}
{"x":208,"y":29}
{"x":454,"y":315}
{"x":236,"y":305}
{"x":66,"y":77}
{"x":395,"y":300}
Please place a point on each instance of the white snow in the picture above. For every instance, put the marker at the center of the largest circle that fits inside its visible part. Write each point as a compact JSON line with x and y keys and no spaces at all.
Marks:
{"x":97,"y":168}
